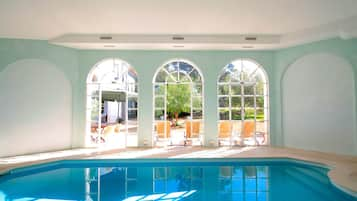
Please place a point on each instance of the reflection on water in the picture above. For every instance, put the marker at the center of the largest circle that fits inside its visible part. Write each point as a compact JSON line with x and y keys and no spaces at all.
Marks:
{"x":229,"y":182}
{"x":162,"y":183}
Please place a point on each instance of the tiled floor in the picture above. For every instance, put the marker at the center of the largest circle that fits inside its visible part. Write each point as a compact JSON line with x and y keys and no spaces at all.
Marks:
{"x":343,"y":168}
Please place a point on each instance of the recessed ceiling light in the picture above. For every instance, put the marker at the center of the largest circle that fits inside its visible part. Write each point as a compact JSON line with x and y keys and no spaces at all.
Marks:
{"x":250,"y":38}
{"x":105,"y":37}
{"x":178,"y":38}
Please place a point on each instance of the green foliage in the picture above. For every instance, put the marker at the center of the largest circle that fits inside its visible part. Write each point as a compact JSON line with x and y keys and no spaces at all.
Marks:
{"x":178,"y":98}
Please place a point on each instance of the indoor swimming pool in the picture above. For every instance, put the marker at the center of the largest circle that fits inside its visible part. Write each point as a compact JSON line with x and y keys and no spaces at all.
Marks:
{"x":171,"y":179}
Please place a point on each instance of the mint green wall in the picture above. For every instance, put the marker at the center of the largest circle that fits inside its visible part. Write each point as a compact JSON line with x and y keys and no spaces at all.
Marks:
{"x":76,"y":64}
{"x":346,"y":49}
{"x":25,"y":122}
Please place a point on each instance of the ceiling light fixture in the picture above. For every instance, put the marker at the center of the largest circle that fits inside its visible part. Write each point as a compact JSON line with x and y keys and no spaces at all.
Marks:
{"x":105,"y":37}
{"x":250,"y":38}
{"x":178,"y":38}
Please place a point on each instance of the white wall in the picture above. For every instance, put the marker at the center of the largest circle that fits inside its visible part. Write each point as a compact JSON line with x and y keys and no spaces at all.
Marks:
{"x":35,"y":105}
{"x":318,"y":104}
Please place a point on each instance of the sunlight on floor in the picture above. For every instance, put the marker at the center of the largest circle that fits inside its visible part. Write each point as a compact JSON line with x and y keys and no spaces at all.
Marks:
{"x":50,"y":155}
{"x":214,"y":153}
{"x":135,"y":153}
{"x":129,"y":153}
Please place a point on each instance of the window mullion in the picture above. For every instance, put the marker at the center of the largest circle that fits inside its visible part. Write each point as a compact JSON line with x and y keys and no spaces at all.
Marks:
{"x":255,"y":112}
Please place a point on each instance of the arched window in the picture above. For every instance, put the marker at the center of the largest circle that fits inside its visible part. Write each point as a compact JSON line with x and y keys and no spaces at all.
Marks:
{"x":178,"y":104}
{"x":112,"y":104}
{"x":243,"y":104}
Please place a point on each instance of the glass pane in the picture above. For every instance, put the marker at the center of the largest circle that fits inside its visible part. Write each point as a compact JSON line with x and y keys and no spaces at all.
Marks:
{"x":249,"y":90}
{"x":159,"y":89}
{"x":225,"y":77}
{"x":260,"y":114}
{"x":223,"y":114}
{"x":262,"y":126}
{"x":236,"y":101}
{"x":230,"y":67}
{"x":132,"y":102}
{"x":94,"y":105}
{"x":132,"y":75}
{"x":261,"y":132}
{"x":172,"y":67}
{"x":185,"y":67}
{"x":248,"y":101}
{"x":236,"y":76}
{"x":260,"y":88}
{"x":237,"y":126}
{"x":249,"y":68}
{"x":195,"y":76}
{"x":236,"y":114}
{"x":133,"y":125}
{"x":236,"y":89}
{"x":197,"y":89}
{"x":132,"y":114}
{"x":197,"y":102}
{"x":197,"y":114}
{"x":159,"y":102}
{"x":223,"y":102}
{"x":159,"y":114}
{"x":223,"y":89}
{"x":92,"y":89}
{"x":249,"y":113}
{"x":260,"y":101}
{"x":94,"y":78}
{"x":92,"y":102}
{"x":184,"y":78}
{"x":132,"y":88}
{"x":172,"y":78}
{"x":259,"y":76}
{"x":161,"y":76}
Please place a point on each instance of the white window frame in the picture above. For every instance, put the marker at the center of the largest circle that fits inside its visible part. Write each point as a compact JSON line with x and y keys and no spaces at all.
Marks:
{"x":129,"y":88}
{"x":191,"y":83}
{"x":242,"y":84}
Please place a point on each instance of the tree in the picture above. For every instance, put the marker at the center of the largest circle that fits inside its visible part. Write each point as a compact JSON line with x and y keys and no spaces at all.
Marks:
{"x":178,"y":99}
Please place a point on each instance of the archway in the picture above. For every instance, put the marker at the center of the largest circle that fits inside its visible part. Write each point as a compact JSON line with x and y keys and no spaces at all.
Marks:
{"x":112,"y":104}
{"x":178,"y":104}
{"x":243,"y":107}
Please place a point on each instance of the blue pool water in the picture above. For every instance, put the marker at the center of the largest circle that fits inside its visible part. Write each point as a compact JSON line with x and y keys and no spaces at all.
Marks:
{"x":113,"y":180}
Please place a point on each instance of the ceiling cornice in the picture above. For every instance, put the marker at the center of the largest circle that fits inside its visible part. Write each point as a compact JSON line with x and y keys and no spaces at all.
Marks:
{"x":345,"y":29}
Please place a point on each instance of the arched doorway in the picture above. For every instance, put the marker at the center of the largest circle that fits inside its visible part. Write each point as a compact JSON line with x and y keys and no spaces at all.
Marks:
{"x":112,"y":104}
{"x":243,"y":107}
{"x":178,"y":104}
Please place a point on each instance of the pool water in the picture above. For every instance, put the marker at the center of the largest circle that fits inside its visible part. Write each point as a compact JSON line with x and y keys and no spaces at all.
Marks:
{"x":170,"y":180}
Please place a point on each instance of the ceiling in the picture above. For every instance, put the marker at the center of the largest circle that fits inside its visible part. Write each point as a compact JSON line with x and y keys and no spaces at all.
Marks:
{"x":151,"y":24}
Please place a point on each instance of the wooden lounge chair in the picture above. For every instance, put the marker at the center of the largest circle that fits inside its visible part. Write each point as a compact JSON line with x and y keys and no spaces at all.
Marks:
{"x":249,"y":133}
{"x":163,"y":129}
{"x":192,"y":130}
{"x":225,"y":132}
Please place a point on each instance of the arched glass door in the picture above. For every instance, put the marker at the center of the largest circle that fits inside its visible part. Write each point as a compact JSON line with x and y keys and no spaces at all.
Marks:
{"x":178,"y":104}
{"x":243,"y":104}
{"x":112,"y":104}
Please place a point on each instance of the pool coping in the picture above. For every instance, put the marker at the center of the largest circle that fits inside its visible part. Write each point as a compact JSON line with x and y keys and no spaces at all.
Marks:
{"x":342,"y":169}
